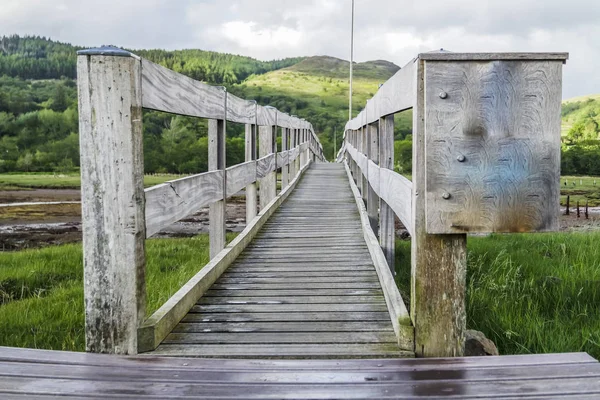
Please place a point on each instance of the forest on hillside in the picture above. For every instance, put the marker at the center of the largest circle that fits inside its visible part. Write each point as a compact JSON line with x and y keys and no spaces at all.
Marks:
{"x":39,"y":120}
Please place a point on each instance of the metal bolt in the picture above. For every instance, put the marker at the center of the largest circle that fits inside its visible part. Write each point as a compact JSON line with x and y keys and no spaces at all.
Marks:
{"x":446,"y":196}
{"x":443,"y":95}
{"x":461,"y":158}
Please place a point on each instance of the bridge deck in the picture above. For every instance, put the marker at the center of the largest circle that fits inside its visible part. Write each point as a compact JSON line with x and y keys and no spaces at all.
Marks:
{"x":305,"y":287}
{"x":38,"y":374}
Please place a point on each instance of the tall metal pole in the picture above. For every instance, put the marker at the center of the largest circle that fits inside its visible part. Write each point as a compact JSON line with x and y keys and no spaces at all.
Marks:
{"x":334,"y":142}
{"x":351,"y":63}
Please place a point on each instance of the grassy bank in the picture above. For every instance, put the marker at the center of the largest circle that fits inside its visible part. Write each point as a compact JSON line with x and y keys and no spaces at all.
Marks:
{"x":580,"y":188}
{"x":41,"y":291}
{"x":20,"y":181}
{"x":531,"y":293}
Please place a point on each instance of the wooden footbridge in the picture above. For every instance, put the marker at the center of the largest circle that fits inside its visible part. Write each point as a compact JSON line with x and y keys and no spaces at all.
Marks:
{"x":308,"y":287}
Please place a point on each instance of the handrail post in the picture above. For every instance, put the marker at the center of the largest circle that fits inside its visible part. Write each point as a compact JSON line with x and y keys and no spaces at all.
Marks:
{"x":112,"y":196}
{"x":217,"y":162}
{"x":364,"y":148}
{"x":251,"y":191}
{"x":372,"y":198}
{"x":438,"y":282}
{"x":387,"y":218}
{"x":285,"y":146}
{"x":268,"y":184}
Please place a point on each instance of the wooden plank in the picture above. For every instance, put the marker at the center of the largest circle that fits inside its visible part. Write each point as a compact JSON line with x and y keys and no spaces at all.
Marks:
{"x":282,"y":159}
{"x":387,"y":220}
{"x":251,"y":189}
{"x":240,"y":110}
{"x":493,"y":146}
{"x":438,"y":262}
{"x":279,"y":338}
{"x":451,"y":56}
{"x":169,"y":91}
{"x":283,"y":350}
{"x":112,"y":192}
{"x":266,"y":116}
{"x":45,"y":357}
{"x":268,"y":300}
{"x":156,"y":328}
{"x":240,"y":176}
{"x":397,"y":192}
{"x":172,"y":201}
{"x":294,"y":292}
{"x":282,"y":317}
{"x":396,"y":95}
{"x":320,"y":326}
{"x":291,"y":308}
{"x":287,"y":284}
{"x":216,"y":161}
{"x":295,"y":373}
{"x":265,"y":166}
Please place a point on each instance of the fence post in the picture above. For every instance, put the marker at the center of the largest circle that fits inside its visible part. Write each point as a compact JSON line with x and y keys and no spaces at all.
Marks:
{"x":372,"y":198}
{"x":251,"y":192}
{"x":438,"y":261}
{"x":113,"y":202}
{"x":387,"y":218}
{"x":364,"y":148}
{"x":285,"y":146}
{"x":267,"y":185}
{"x":216,"y":162}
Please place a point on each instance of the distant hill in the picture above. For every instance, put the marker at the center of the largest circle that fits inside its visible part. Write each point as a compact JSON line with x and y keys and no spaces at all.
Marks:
{"x":332,"y":67}
{"x":581,"y":119}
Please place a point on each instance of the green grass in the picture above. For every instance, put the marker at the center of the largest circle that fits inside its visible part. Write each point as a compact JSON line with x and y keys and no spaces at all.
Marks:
{"x":41,"y":291}
{"x":531,"y":293}
{"x":19,"y":181}
{"x":583,"y":190}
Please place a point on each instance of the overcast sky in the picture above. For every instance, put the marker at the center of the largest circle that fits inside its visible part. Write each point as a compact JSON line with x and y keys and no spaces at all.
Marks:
{"x":394,"y":30}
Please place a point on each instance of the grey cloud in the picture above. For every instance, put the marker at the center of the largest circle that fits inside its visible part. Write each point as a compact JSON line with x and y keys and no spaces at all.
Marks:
{"x":268,"y":29}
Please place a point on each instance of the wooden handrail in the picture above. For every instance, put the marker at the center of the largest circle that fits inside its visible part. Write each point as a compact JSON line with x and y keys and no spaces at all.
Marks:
{"x":486,"y":158}
{"x":118,"y":214}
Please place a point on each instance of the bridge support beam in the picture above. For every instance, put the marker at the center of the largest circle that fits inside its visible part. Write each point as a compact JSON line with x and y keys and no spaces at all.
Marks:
{"x":439,"y":262}
{"x":112,"y":196}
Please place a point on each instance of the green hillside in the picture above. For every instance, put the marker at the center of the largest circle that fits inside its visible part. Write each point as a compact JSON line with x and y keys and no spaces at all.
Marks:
{"x":38,"y":107}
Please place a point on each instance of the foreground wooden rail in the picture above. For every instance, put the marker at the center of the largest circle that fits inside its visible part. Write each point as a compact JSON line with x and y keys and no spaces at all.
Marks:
{"x":114,"y":86}
{"x":486,"y":158}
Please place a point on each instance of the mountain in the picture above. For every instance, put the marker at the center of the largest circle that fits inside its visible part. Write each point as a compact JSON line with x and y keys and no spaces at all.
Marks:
{"x":38,"y":107}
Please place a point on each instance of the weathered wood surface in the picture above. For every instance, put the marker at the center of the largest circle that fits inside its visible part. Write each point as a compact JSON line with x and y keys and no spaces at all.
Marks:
{"x":309,"y":264}
{"x":267,"y":164}
{"x":251,"y":154}
{"x":493,"y":146}
{"x":240,"y":176}
{"x":390,"y":186}
{"x":172,"y":201}
{"x":39,"y":374}
{"x":161,"y":323}
{"x":439,"y":262}
{"x":394,"y":96}
{"x":112,"y":191}
{"x":387,"y":218}
{"x":166,"y":90}
{"x":216,"y":161}
{"x":395,"y":304}
{"x":451,"y":56}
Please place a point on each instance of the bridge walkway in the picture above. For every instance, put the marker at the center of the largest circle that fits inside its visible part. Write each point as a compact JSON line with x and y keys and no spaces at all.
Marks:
{"x":305,"y":287}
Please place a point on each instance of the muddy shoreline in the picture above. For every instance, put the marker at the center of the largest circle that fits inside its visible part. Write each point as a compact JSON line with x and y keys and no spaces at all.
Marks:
{"x":55,"y":219}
